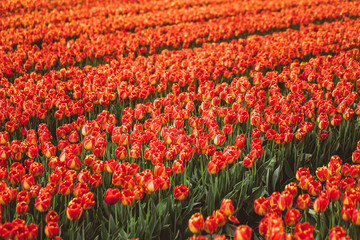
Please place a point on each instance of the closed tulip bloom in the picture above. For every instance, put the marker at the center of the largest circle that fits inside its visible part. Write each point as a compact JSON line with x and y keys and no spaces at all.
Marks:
{"x":88,"y":201}
{"x":314,"y":187}
{"x":95,"y":180}
{"x":22,"y":208}
{"x":261,"y":206}
{"x":227,"y":207}
{"x":220,"y":216}
{"x":285,"y":200}
{"x":292,"y":188}
{"x":240,"y":141}
{"x":356,"y":217}
{"x":337,"y":232}
{"x":303,"y":231}
{"x":210,"y":225}
{"x":212,"y":167}
{"x":74,"y":211}
{"x":51,"y":229}
{"x":303,"y":202}
{"x":178,"y":166}
{"x":292,"y":217}
{"x":127,"y":197}
{"x":196,"y":223}
{"x":112,"y":196}
{"x":80,"y":189}
{"x":249,"y":161}
{"x":180,"y":192}
{"x":322,"y":173}
{"x":334,"y":193}
{"x":138,"y":192}
{"x":243,"y":232}
{"x":52,"y":216}
{"x":83,"y":176}
{"x":22,"y":196}
{"x":320,"y":204}
{"x":356,"y":156}
{"x":151,"y":186}
{"x":65,"y":188}
{"x":128,"y":182}
{"x":27,"y":181}
{"x":42,"y":203}
{"x":347,"y":211}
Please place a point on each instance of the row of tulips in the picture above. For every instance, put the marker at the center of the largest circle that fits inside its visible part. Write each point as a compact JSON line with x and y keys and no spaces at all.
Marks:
{"x":14,"y":8}
{"x":90,"y":47}
{"x":158,"y":134}
{"x":51,"y":91}
{"x":86,"y":19}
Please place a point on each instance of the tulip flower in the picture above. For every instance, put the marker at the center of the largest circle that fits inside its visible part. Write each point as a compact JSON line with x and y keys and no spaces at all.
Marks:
{"x":74,"y":211}
{"x":52,"y":216}
{"x":261,"y":206}
{"x":196,"y":223}
{"x":112,"y":196}
{"x":180,"y":192}
{"x":303,"y":202}
{"x":292,"y":217}
{"x":210,"y":225}
{"x":127,"y":197}
{"x":243,"y":232}
{"x":52,"y":229}
{"x":320,"y":204}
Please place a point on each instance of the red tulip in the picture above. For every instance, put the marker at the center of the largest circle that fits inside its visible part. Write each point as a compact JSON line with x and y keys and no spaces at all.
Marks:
{"x":127,"y":197}
{"x":95,"y":180}
{"x":112,"y":196}
{"x":51,"y":229}
{"x":196,"y":223}
{"x":180,"y":192}
{"x":227,"y":207}
{"x":320,"y":204}
{"x":22,"y":208}
{"x":243,"y":232}
{"x":337,"y":232}
{"x":285,"y":200}
{"x":42,"y":203}
{"x":210,"y":225}
{"x":303,"y":202}
{"x":88,"y":201}
{"x":52,"y":216}
{"x":292,"y":217}
{"x":74,"y":211}
{"x":261,"y":206}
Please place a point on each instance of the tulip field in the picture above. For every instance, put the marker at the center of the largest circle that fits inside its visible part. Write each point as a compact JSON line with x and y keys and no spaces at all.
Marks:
{"x":183,"y":119}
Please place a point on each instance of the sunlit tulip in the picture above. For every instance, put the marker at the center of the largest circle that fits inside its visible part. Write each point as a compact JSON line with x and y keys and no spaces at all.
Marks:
{"x":180,"y":192}
{"x":243,"y":232}
{"x":196,"y":223}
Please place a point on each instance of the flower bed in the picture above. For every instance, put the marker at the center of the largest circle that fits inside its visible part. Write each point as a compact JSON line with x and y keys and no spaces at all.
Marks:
{"x":185,"y":120}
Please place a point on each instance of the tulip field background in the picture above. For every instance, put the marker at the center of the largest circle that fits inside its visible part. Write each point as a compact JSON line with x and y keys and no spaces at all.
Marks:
{"x":185,"y":119}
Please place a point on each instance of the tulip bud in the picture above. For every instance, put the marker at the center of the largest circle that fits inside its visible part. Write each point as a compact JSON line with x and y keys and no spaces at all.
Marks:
{"x":74,"y":211}
{"x":51,"y":229}
{"x":180,"y":192}
{"x":243,"y":232}
{"x":227,"y":207}
{"x":196,"y":223}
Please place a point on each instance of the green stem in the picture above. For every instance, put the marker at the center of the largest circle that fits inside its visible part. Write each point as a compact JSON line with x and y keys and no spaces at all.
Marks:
{"x":83,"y":228}
{"x":109,"y":222}
{"x":116,"y":217}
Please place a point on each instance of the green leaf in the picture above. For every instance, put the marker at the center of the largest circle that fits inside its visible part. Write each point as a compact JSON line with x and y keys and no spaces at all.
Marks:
{"x":275,"y":177}
{"x":104,"y":231}
{"x":189,"y":207}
